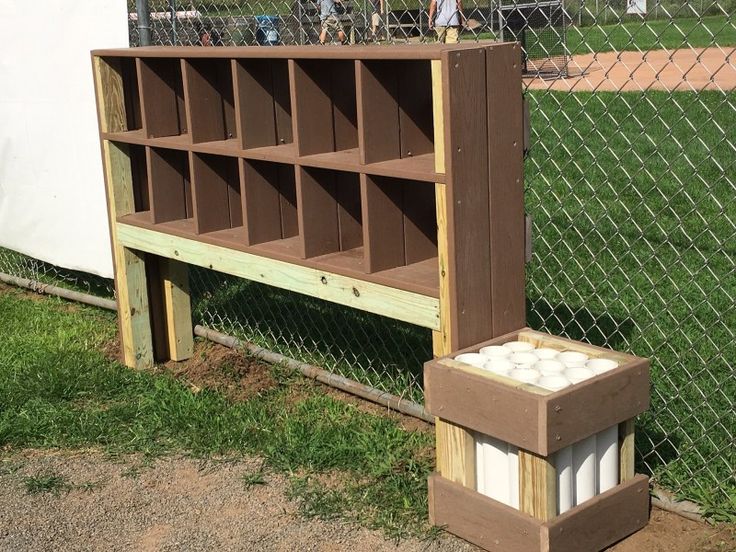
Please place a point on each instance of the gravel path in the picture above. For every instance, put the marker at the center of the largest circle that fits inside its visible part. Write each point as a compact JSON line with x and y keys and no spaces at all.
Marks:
{"x":177,"y":504}
{"x":183,"y":504}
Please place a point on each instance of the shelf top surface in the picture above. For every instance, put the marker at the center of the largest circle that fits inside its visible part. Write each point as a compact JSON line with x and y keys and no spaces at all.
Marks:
{"x":388,"y":52}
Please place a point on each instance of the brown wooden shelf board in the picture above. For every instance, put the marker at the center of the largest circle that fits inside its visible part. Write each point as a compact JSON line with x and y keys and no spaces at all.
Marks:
{"x":404,"y":51}
{"x":285,"y":249}
{"x":283,"y":153}
{"x":422,"y":277}
{"x":419,"y":277}
{"x":352,"y":259}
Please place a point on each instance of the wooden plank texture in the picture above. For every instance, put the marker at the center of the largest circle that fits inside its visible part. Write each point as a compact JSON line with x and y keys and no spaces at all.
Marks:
{"x":204,"y":100}
{"x":596,"y":404}
{"x":161,"y":93}
{"x":344,"y":109}
{"x":261,"y":202}
{"x":110,"y":93}
{"x":482,"y":520}
{"x":415,"y":107}
{"x":468,"y":228}
{"x":602,"y":520}
{"x":254,"y":103}
{"x":177,"y":307}
{"x":371,"y":297}
{"x":378,"y":111}
{"x":168,"y":183}
{"x":317,"y":211}
{"x":130,"y":273}
{"x":384,"y":223}
{"x":506,"y":188}
{"x":215,"y":185}
{"x":420,"y":221}
{"x":282,"y":102}
{"x":627,"y":449}
{"x":540,"y":423}
{"x":537,"y":486}
{"x":349,"y":214}
{"x":311,"y":107}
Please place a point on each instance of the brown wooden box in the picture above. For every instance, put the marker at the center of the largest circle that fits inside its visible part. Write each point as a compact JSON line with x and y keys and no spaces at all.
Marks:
{"x":591,"y":526}
{"x":528,"y":416}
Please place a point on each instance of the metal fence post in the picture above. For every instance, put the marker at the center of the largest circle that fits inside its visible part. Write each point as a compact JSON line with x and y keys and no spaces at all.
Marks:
{"x":144,"y":22}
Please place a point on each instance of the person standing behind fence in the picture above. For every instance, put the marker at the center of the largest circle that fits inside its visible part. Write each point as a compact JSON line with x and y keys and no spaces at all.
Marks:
{"x":377,"y":11}
{"x":445,"y":17}
{"x":330,"y":21}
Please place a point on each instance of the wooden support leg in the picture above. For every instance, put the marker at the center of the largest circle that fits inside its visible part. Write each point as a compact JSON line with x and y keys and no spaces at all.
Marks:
{"x":177,"y":306}
{"x":537,"y":486}
{"x":627,"y":449}
{"x":133,"y":313}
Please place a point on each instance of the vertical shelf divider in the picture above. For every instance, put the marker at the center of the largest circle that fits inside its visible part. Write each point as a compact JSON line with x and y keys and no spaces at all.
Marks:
{"x":317,"y":212}
{"x":161,"y":97}
{"x":208,"y":95}
{"x":378,"y":111}
{"x":311,"y":108}
{"x":383,"y":225}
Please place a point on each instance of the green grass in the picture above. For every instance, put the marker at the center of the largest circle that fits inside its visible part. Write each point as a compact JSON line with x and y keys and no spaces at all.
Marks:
{"x":632,"y":197}
{"x":653,"y":35}
{"x":45,"y":483}
{"x":57,"y":389}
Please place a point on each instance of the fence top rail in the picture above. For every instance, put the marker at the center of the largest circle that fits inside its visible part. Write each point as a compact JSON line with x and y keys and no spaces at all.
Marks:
{"x":408,"y":51}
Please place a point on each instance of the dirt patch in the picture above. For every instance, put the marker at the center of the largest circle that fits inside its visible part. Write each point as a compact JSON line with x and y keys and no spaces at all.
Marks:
{"x":681,"y":70}
{"x":184,"y":504}
{"x":235,"y":375}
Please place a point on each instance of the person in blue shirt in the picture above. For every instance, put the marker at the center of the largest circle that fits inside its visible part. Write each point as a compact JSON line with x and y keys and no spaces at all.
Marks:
{"x":330,"y":21}
{"x":446,"y":17}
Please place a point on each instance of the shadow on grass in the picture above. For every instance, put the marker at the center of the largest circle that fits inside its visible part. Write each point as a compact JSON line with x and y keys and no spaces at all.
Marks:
{"x":369,"y":348}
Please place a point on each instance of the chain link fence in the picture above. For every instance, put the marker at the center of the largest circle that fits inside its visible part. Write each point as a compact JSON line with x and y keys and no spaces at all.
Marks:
{"x":630,"y":182}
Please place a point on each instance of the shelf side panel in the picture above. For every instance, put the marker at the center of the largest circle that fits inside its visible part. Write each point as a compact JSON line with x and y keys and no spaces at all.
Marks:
{"x":317,"y":209}
{"x":211,"y":193}
{"x":168,"y":171}
{"x":261,"y":201}
{"x":383,"y":224}
{"x":344,"y":108}
{"x":204,"y":100}
{"x":468,"y":227}
{"x":506,"y":187}
{"x":287,"y":200}
{"x":254,"y":103}
{"x":312,"y":106}
{"x":349,"y":214}
{"x":415,"y":108}
{"x":420,"y":221}
{"x":161,"y":97}
{"x":378,"y":111}
{"x":282,"y":101}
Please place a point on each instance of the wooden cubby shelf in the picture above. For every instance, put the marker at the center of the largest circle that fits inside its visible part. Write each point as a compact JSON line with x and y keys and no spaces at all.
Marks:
{"x":384,"y":179}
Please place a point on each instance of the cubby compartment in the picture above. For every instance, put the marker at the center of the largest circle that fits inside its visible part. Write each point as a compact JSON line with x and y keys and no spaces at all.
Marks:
{"x":170,"y":185}
{"x":330,"y":217}
{"x":324,"y":103}
{"x":210,"y":104}
{"x":270,"y":205}
{"x":162,"y":97}
{"x":124,"y":69}
{"x":216,"y":193}
{"x":262,"y":102}
{"x":400,"y":222}
{"x":394,"y":109}
{"x":139,"y":176}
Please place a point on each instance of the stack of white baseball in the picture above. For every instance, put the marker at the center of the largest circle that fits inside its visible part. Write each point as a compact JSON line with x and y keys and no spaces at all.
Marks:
{"x":584,"y":469}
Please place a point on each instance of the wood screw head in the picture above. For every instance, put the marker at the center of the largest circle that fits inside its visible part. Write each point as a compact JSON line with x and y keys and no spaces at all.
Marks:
{"x":356,"y":292}
{"x":558,"y":438}
{"x":323,"y":279}
{"x":558,"y":408}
